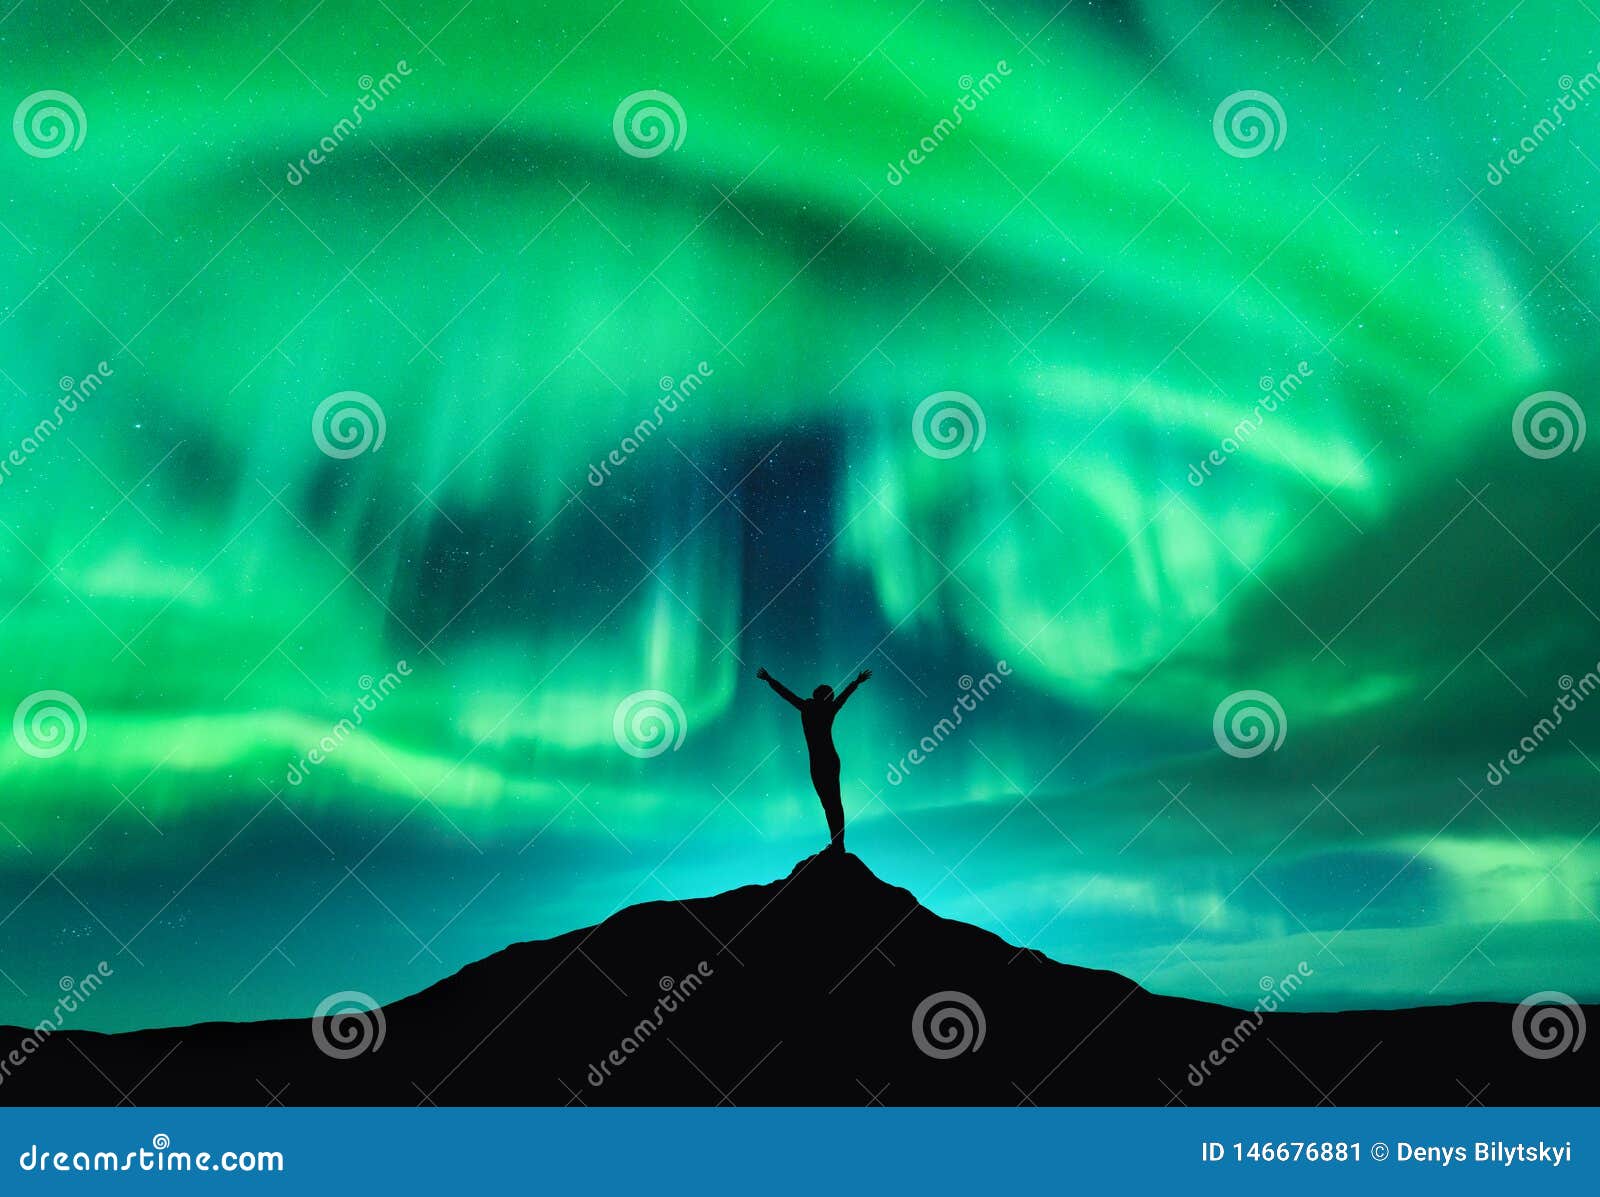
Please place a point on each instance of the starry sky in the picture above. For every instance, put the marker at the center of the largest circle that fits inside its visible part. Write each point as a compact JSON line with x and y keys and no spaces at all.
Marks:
{"x":1047,"y":222}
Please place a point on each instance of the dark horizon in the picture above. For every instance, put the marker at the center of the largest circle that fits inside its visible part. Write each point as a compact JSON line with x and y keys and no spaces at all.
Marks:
{"x":787,"y":994}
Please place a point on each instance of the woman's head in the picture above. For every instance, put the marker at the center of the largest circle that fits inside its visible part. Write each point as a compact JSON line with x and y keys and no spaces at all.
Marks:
{"x":822,"y":692}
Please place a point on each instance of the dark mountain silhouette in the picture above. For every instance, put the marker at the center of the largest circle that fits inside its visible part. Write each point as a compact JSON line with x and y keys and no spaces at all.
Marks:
{"x":802,"y":992}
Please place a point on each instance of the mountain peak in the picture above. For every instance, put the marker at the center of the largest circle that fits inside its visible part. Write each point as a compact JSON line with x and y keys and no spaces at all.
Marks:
{"x":827,"y":986}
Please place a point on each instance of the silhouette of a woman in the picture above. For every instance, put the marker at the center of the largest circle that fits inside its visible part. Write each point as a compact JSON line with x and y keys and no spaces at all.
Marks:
{"x":816,"y":719}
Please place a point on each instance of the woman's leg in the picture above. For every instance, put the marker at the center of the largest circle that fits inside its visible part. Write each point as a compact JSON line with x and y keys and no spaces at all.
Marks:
{"x":825,"y":779}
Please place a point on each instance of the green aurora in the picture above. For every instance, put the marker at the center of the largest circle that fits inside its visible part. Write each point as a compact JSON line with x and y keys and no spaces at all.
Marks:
{"x":1079,"y":255}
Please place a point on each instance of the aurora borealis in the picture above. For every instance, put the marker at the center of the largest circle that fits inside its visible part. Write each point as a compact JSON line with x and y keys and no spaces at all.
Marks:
{"x":519,"y":295}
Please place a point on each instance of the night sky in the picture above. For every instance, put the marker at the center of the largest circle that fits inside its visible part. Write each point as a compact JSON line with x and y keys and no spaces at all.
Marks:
{"x":1098,"y":273}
